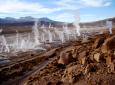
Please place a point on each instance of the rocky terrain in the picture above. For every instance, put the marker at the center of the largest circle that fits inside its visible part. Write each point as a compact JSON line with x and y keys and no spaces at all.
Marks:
{"x":90,"y":62}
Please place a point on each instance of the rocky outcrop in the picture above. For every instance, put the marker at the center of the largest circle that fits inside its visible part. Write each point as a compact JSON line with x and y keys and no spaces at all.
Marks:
{"x":98,"y":42}
{"x":108,"y":45}
{"x":64,"y":59}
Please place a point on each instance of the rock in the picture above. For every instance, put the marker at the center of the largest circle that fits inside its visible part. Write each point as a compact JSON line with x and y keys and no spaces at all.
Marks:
{"x":66,"y":55}
{"x":68,"y":49}
{"x":98,"y":42}
{"x":97,"y":57}
{"x":112,"y":67}
{"x":86,"y":69}
{"x":109,"y":44}
{"x":114,"y":53}
{"x":110,"y":63}
{"x":85,"y":39}
{"x":64,"y":59}
{"x":82,"y":54}
{"x":72,"y":74}
{"x":82,"y":57}
{"x":90,"y":68}
{"x":51,"y":83}
{"x":75,"y":52}
{"x":74,"y":55}
{"x":108,"y":60}
{"x":83,"y":60}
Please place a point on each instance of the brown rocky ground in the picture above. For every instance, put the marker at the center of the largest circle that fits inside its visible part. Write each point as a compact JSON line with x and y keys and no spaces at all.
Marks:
{"x":78,"y":63}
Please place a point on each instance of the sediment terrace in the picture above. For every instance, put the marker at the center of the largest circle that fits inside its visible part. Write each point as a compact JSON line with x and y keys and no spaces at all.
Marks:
{"x":77,"y":63}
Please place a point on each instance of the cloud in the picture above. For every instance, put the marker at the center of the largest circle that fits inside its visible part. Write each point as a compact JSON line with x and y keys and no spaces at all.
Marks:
{"x":68,"y":4}
{"x":88,"y":15}
{"x":70,"y":17}
{"x":65,"y":8}
{"x":77,"y":4}
{"x":17,"y":6}
{"x":22,"y":6}
{"x":95,"y":3}
{"x":66,"y":17}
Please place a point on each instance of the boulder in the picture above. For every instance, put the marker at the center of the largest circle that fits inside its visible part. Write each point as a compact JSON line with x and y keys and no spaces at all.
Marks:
{"x":97,"y":57}
{"x":109,"y":44}
{"x":66,"y":55}
{"x":64,"y":59}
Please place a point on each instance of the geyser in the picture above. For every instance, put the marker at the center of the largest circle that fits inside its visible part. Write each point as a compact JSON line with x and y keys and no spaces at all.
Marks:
{"x":76,"y":24}
{"x":109,"y":26}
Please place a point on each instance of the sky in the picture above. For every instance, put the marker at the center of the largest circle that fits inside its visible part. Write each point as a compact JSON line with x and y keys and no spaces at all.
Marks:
{"x":59,"y":10}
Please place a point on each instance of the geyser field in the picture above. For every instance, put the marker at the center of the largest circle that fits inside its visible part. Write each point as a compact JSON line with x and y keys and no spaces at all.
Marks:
{"x":59,"y":56}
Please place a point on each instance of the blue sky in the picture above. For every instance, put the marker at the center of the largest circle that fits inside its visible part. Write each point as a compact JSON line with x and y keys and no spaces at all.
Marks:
{"x":59,"y":10}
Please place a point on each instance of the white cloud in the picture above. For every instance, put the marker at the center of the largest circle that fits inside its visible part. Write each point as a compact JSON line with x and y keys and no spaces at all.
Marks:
{"x":77,"y":4}
{"x":66,"y":17}
{"x":17,"y":6}
{"x":22,"y":7}
{"x":88,"y":15}
{"x":68,"y":4}
{"x":95,"y":3}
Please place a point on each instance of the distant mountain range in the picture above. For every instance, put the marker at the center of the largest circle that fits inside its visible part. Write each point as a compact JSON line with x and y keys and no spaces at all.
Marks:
{"x":25,"y":24}
{"x":27,"y":21}
{"x":46,"y":21}
{"x":99,"y":23}
{"x":23,"y":19}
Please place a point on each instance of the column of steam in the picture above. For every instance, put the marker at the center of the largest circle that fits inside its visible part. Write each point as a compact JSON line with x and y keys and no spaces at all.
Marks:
{"x":76,"y":24}
{"x":50,"y":36}
{"x":17,"y":41}
{"x":66,"y":31}
{"x":56,"y":34}
{"x":44,"y":35}
{"x":29,"y":43}
{"x":36,"y":32}
{"x":62,"y":37}
{"x":109,"y":26}
{"x":1,"y":49}
{"x":7,"y":49}
{"x":4,"y":42}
